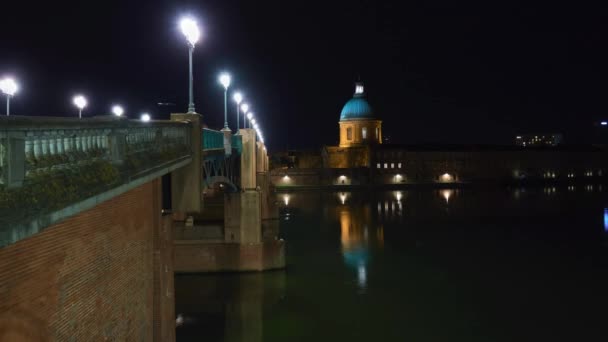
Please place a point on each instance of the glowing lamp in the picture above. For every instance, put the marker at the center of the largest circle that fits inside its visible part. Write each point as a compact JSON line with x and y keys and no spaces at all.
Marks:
{"x":238,"y":97}
{"x":145,"y":117}
{"x":118,"y":110}
{"x":8,"y":86}
{"x":225,"y":79}
{"x":190,"y":30}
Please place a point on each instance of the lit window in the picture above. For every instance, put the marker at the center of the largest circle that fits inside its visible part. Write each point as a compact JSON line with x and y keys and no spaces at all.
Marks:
{"x":399,"y":165}
{"x":364,"y":132}
{"x":377,"y":133}
{"x":385,"y":165}
{"x":378,"y":166}
{"x":392,"y":165}
{"x":349,"y":133}
{"x":359,"y":89}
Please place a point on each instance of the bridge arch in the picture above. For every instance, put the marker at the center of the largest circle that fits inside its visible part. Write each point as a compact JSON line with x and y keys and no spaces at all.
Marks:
{"x":220,"y":180}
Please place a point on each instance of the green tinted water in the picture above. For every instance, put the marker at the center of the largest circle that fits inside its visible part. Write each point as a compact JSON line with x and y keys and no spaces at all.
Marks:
{"x":423,"y":265}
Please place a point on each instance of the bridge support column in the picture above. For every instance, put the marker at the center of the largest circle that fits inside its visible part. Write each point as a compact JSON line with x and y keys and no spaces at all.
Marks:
{"x":243,"y":217}
{"x":227,"y":141}
{"x":186,"y":183}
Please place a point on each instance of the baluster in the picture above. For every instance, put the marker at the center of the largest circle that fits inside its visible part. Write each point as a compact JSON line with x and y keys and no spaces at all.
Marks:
{"x":37,"y":152}
{"x":59,"y":144}
{"x":45,"y":146}
{"x":78,"y":143}
{"x":52,"y":150}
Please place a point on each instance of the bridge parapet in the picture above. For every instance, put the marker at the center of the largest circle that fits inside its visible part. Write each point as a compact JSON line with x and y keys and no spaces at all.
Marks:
{"x":50,"y":164}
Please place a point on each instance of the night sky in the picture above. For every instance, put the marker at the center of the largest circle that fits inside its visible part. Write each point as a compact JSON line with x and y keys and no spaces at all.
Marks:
{"x":435,"y":71}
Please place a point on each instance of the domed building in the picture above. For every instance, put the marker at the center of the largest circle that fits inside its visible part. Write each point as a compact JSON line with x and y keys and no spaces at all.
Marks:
{"x":358,"y":125}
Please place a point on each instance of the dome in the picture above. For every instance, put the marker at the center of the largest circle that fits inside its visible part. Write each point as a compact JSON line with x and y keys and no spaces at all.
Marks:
{"x":357,"y":108}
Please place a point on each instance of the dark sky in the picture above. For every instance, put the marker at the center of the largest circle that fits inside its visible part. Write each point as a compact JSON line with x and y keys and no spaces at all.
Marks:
{"x":435,"y":71}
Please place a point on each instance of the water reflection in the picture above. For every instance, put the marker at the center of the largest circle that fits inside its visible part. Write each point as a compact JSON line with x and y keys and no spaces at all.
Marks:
{"x":446,"y":194}
{"x":358,"y":235}
{"x":225,"y":307}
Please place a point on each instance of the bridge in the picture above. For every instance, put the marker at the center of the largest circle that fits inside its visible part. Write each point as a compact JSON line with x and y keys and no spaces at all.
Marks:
{"x":86,"y":249}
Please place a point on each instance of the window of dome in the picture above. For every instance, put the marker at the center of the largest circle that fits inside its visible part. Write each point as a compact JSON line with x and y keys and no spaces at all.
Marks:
{"x":349,"y":133}
{"x":364,"y":132}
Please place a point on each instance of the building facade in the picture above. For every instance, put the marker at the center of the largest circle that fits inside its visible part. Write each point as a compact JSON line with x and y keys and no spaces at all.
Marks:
{"x":362,"y":159}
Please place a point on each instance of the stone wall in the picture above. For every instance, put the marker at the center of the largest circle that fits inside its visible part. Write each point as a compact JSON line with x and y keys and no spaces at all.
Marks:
{"x":199,"y":256}
{"x":102,"y":275}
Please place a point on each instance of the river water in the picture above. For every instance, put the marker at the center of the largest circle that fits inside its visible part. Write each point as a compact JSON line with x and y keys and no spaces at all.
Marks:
{"x":527,"y":264}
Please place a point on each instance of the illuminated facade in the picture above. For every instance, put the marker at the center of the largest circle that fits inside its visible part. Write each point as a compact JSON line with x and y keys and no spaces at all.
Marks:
{"x":362,"y":159}
{"x":358,"y":126}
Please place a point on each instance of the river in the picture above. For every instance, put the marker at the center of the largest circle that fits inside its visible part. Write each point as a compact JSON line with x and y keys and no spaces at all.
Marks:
{"x":519,"y":264}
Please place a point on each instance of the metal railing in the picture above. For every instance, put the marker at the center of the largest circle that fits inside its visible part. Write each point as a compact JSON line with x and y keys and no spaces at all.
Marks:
{"x":212,"y":140}
{"x":47,"y":164}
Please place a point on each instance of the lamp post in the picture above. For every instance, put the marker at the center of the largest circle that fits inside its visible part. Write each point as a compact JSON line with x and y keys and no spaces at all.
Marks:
{"x":245,"y":109}
{"x":192,"y":34}
{"x":80,"y":102}
{"x":9,"y":87}
{"x":238,"y":97}
{"x":225,"y":81}
{"x":118,"y":110}
{"x":250,"y":116}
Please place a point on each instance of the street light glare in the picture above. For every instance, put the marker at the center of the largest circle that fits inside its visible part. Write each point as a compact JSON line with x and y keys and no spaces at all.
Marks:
{"x":225,"y":79}
{"x":253,"y":122}
{"x":249,"y":116}
{"x":118,"y":110}
{"x":145,"y":117}
{"x":190,"y":30}
{"x":245,"y":108}
{"x":8,"y":86}
{"x":80,"y":101}
{"x":238,"y":97}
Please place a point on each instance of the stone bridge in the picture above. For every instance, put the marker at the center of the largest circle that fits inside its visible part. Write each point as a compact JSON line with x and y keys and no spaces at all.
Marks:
{"x":86,"y":249}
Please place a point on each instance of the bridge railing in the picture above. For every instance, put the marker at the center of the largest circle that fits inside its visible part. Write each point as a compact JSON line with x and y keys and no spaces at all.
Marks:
{"x":237,"y":143}
{"x":212,"y":139}
{"x":47,"y":164}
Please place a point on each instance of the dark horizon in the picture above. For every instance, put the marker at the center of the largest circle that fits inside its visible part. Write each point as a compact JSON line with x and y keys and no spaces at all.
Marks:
{"x":441,"y":73}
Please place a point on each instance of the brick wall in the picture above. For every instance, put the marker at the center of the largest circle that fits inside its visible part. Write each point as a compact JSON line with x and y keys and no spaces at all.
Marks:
{"x":90,"y":277}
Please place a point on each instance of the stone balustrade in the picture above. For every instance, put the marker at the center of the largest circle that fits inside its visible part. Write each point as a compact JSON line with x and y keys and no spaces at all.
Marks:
{"x":49,"y":164}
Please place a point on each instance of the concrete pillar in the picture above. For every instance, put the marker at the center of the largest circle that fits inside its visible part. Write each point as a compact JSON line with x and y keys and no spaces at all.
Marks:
{"x":248,"y":159}
{"x":187,"y":182}
{"x":243,"y":217}
{"x":227,"y":141}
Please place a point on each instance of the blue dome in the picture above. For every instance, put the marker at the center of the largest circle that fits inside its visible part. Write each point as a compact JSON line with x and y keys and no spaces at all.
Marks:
{"x":355,"y":109}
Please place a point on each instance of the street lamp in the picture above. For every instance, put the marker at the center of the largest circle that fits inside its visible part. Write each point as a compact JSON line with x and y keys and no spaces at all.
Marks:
{"x":225,"y":81}
{"x":9,"y":87}
{"x":245,"y":109}
{"x":145,"y":117}
{"x":238,"y":97}
{"x":118,"y":111}
{"x":249,"y":117}
{"x":192,"y":34}
{"x":253,"y":122}
{"x":80,"y":102}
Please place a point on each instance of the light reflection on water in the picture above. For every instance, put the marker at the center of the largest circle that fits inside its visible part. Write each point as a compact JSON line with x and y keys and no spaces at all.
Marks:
{"x":419,"y":265}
